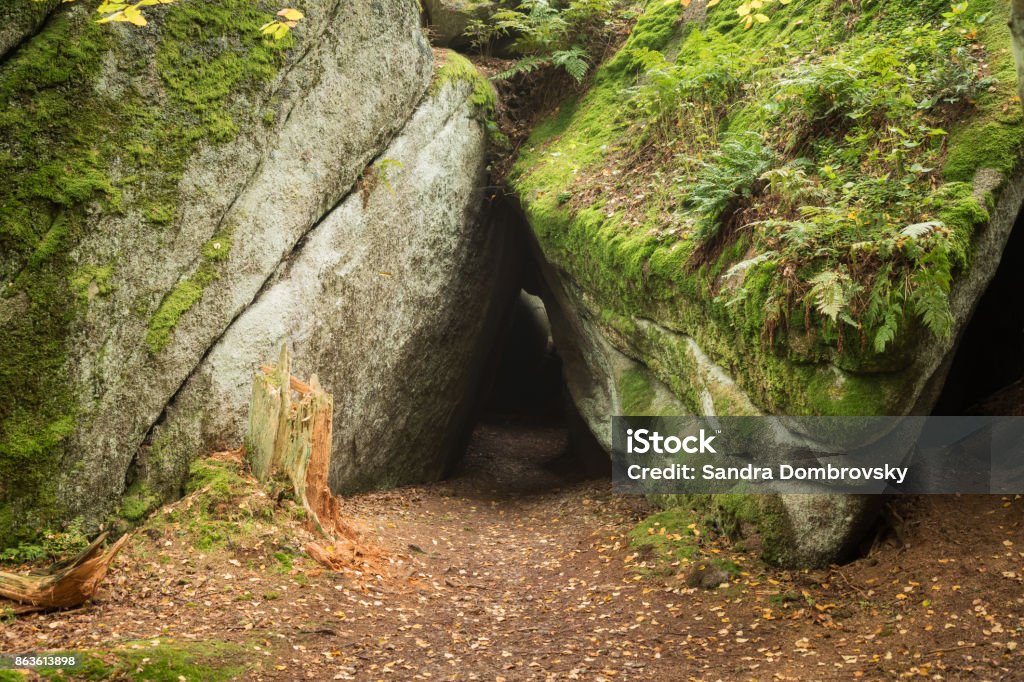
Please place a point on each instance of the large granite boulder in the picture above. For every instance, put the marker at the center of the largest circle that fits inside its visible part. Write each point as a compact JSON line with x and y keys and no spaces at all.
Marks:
{"x":448,"y":19}
{"x":161,"y":180}
{"x":723,"y":232}
{"x":392,"y":299}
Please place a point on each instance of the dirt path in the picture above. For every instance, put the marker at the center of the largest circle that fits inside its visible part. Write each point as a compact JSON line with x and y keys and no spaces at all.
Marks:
{"x":518,"y":570}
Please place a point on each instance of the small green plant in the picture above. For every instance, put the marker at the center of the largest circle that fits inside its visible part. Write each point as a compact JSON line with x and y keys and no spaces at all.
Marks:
{"x":728,"y":181}
{"x":52,"y":545}
{"x":385,"y":166}
{"x":546,"y":34}
{"x":377,"y":174}
{"x":573,"y":61}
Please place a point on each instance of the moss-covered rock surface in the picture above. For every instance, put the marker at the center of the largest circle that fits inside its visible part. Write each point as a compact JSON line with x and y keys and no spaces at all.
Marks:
{"x":795,"y":218}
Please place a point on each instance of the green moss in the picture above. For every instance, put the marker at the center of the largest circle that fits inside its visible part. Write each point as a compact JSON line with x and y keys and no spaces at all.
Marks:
{"x":92,"y":280}
{"x":138,"y":502}
{"x":989,"y":144}
{"x":656,"y":28}
{"x":179,"y":301}
{"x":455,"y":68}
{"x":668,"y":537}
{"x":160,"y":661}
{"x":739,"y":515}
{"x":215,"y":517}
{"x":219,"y":480}
{"x":160,"y":213}
{"x":47,"y":125}
{"x":636,"y":392}
{"x":186,"y":293}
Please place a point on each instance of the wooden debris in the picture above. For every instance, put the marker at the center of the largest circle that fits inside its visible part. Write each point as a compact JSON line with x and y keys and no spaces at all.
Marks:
{"x":290,"y":427}
{"x":64,"y":585}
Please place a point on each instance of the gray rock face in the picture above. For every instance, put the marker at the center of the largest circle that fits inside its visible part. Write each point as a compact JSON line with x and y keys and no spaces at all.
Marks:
{"x":168,"y":289}
{"x":19,"y":19}
{"x":391,"y":299}
{"x":343,"y":99}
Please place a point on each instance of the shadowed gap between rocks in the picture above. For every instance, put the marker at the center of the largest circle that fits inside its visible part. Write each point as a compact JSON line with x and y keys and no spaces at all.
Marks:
{"x":986,"y":375}
{"x":527,"y":437}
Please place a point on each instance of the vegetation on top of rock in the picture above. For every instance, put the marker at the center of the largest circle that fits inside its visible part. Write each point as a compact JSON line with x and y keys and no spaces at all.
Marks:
{"x":545,"y":34}
{"x":454,"y":68}
{"x":807,"y":178}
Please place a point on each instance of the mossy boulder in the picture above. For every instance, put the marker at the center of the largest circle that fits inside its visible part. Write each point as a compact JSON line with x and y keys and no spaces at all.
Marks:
{"x":158,"y":182}
{"x":448,"y":19}
{"x":795,"y":219}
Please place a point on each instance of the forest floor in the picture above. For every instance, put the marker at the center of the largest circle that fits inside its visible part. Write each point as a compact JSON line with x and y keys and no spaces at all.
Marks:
{"x":518,"y":569}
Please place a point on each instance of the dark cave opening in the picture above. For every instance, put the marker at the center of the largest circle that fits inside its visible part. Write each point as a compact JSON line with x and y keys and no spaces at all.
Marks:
{"x":527,"y":438}
{"x":523,"y":409}
{"x":989,"y":359}
{"x":527,"y":377}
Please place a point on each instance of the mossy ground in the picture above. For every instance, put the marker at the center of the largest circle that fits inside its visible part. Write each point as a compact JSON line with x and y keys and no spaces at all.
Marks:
{"x":159,"y":661}
{"x":803,"y":148}
{"x":692,"y":525}
{"x":223,"y":507}
{"x":668,"y":539}
{"x":64,"y":134}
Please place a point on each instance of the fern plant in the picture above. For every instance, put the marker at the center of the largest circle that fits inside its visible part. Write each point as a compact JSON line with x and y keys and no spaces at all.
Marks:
{"x":729,"y":177}
{"x":573,"y":61}
{"x":546,"y":35}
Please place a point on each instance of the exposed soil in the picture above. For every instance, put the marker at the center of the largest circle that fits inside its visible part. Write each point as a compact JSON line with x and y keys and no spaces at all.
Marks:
{"x":517,"y":569}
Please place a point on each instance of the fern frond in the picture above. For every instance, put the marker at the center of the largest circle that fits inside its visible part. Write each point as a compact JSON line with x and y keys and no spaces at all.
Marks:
{"x":524,"y":65}
{"x":574,"y":62}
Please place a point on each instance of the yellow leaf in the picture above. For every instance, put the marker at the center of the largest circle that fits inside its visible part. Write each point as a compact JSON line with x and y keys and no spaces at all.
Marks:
{"x":761,"y":18}
{"x":291,"y":14}
{"x":685,"y":3}
{"x":712,"y":3}
{"x":132,"y":15}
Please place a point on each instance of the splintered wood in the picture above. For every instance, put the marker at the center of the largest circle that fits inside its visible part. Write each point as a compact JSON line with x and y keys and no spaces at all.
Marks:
{"x":64,"y":585}
{"x":290,"y":434}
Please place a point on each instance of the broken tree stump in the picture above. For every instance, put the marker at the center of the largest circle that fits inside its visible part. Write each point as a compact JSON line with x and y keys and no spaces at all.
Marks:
{"x":64,"y":585}
{"x":289,"y":433}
